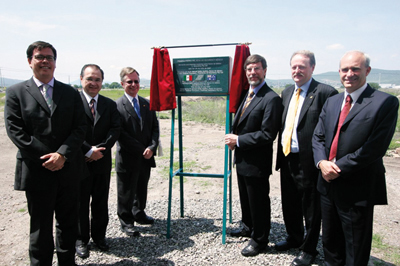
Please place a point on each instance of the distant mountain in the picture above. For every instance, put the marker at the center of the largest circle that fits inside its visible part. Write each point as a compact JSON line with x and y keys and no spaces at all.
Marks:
{"x":6,"y":82}
{"x":380,"y":76}
{"x":332,"y":78}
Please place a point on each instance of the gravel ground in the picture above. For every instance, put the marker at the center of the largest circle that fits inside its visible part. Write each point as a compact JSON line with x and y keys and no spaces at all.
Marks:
{"x":195,"y":239}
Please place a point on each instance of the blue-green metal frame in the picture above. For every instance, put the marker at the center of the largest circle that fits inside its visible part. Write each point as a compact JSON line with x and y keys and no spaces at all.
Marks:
{"x":227,"y":176}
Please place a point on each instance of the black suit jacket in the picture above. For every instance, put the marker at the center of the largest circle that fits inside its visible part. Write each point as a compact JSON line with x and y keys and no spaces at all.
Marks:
{"x":257,"y":130}
{"x":36,"y":130}
{"x":134,"y":138}
{"x":316,"y":96}
{"x":365,"y":136}
{"x":103,"y":131}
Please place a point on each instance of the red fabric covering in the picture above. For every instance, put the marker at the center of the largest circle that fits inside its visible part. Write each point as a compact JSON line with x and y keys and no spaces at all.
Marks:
{"x":162,"y":87}
{"x":239,"y":83}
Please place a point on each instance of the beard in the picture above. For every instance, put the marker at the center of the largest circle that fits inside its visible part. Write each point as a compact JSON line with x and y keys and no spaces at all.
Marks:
{"x":254,"y":82}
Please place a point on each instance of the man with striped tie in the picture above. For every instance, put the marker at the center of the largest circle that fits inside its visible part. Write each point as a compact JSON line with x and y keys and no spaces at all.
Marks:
{"x":254,"y":129}
{"x":103,"y":128}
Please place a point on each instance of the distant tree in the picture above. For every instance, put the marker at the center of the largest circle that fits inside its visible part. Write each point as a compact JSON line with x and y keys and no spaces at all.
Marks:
{"x":75,"y":86}
{"x":115,"y":85}
{"x":374,"y":85}
{"x":106,"y":85}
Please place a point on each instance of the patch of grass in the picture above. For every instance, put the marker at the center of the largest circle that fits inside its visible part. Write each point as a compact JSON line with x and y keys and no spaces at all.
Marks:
{"x":390,"y":254}
{"x":211,"y":110}
{"x":117,"y":93}
{"x":22,"y":210}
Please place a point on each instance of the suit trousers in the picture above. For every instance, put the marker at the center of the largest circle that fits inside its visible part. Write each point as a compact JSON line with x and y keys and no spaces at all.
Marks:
{"x":132,"y":193}
{"x":256,"y":207}
{"x":94,"y":199}
{"x":346,"y":233}
{"x":300,"y":201}
{"x":62,"y":199}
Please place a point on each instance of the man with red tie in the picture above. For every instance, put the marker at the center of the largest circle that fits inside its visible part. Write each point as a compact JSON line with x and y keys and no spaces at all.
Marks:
{"x":353,"y":133}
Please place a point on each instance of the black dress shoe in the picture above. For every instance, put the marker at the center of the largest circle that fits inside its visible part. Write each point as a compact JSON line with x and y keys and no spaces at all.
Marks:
{"x":145,"y":220}
{"x":240,"y":232}
{"x":129,"y":230}
{"x":81,"y":250}
{"x":251,"y":250}
{"x":285,"y":245}
{"x":102,"y":245}
{"x":304,"y":259}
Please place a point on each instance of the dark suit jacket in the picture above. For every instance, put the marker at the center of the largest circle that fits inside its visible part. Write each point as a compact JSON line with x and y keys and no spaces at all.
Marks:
{"x":365,"y":136}
{"x":36,"y":130}
{"x":257,"y":130}
{"x":316,"y":96}
{"x":133,"y":140}
{"x":103,"y":131}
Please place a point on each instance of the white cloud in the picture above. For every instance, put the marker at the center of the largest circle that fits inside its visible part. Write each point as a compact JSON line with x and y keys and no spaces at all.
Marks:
{"x":335,"y":46}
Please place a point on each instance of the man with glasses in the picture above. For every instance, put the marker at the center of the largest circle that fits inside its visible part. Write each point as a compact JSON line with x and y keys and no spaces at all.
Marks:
{"x":136,"y":148}
{"x":254,"y":130}
{"x":103,"y":127}
{"x":45,"y":120}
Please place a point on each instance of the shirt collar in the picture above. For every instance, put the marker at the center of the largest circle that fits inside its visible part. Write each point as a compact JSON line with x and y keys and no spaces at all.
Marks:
{"x":39,"y":83}
{"x":305,"y":86}
{"x":356,"y":94}
{"x":258,"y":87}
{"x":130,"y":98}
{"x":88,"y":97}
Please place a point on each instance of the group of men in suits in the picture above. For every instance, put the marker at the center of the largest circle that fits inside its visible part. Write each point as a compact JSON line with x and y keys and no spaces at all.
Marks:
{"x":64,"y":140}
{"x":329,"y":153}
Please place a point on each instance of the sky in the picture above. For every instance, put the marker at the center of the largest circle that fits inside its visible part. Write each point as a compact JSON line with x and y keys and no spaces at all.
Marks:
{"x":119,"y":33}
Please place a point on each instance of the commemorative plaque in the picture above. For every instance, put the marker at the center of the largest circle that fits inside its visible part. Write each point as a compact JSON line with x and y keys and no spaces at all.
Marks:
{"x":201,"y":76}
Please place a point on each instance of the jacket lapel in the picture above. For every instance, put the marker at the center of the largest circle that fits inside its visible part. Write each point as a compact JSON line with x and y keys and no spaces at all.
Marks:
{"x":364,"y":100}
{"x":33,"y":90}
{"x":308,"y":100}
{"x":86,"y":107}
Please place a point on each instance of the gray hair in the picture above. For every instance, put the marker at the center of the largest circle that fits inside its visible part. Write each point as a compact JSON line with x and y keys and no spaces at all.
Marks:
{"x":306,"y":53}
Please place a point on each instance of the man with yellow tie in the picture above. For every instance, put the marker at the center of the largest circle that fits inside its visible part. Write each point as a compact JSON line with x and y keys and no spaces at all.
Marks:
{"x":302,"y":105}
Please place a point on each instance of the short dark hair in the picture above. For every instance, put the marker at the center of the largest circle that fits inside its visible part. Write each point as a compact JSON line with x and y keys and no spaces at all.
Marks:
{"x":40,"y":45}
{"x":95,"y":66}
{"x":255,"y":58}
{"x":305,"y":53}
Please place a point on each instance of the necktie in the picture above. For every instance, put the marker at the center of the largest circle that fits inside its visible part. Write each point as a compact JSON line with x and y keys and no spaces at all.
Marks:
{"x":287,"y":133}
{"x":137,"y":108}
{"x":343,"y":114}
{"x":92,"y":107}
{"x":248,"y":100}
{"x":46,"y":95}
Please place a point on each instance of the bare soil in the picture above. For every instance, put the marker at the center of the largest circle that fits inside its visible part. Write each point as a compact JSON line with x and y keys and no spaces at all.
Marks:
{"x":203,"y":152}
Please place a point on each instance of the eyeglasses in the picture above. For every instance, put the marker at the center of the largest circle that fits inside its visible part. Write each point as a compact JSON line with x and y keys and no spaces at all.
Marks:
{"x":95,"y":80}
{"x":130,"y":82}
{"x":40,"y":57}
{"x":255,"y":69}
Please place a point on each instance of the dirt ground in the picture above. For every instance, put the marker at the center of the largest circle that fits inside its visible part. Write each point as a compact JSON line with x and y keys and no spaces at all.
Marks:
{"x":203,"y":152}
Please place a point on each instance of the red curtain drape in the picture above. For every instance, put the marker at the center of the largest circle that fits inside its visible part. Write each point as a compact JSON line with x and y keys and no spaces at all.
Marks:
{"x":162,"y":88}
{"x":239,"y":83}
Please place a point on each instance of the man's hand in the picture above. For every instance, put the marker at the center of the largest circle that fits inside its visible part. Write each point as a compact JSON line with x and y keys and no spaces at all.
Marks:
{"x":147,"y":154}
{"x":96,"y":154}
{"x":329,"y":170}
{"x":55,"y":161}
{"x":231,"y":140}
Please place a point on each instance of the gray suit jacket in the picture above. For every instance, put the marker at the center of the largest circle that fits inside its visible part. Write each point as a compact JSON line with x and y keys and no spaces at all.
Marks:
{"x":36,"y":130}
